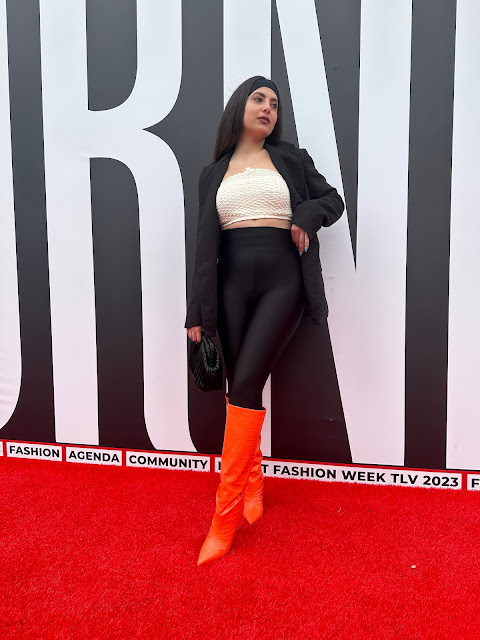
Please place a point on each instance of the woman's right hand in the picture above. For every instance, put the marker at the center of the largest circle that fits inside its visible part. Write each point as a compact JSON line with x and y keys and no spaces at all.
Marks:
{"x":195,"y":333}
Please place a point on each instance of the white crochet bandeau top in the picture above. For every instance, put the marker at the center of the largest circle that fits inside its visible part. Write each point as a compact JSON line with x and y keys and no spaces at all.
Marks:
{"x":253,"y":193}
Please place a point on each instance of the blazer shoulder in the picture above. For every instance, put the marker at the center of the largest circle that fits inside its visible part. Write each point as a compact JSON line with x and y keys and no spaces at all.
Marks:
{"x":205,"y":174}
{"x":206,"y":169}
{"x":290,"y":152}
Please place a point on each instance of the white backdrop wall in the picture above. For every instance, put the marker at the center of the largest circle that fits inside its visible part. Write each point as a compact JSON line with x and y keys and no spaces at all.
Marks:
{"x":108,"y":112}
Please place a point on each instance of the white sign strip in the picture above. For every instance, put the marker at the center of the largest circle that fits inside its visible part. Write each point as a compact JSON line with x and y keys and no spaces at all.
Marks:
{"x":37,"y":451}
{"x":359,"y":475}
{"x":473,"y":482}
{"x":154,"y":460}
{"x":93,"y":456}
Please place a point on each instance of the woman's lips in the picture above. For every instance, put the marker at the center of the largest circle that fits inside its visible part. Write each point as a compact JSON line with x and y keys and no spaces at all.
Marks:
{"x":264,"y":119}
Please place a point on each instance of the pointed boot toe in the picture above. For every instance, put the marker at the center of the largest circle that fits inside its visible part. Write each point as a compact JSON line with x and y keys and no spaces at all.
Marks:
{"x":212,"y":549}
{"x":219,"y":539}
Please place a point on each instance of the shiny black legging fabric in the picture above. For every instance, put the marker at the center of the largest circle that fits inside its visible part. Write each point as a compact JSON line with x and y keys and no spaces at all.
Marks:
{"x":261,"y":298}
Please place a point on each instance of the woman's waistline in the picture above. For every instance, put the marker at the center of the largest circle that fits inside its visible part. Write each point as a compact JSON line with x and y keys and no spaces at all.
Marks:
{"x":256,"y":237}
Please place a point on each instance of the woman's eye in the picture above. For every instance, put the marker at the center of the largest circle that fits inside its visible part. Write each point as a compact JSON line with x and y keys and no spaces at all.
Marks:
{"x":274,"y":104}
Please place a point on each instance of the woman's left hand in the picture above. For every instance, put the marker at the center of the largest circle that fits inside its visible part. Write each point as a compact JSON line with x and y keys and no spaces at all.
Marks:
{"x":300,"y":238}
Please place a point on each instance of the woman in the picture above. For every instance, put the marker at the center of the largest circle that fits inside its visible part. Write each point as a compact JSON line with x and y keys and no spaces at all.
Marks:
{"x":261,"y":203}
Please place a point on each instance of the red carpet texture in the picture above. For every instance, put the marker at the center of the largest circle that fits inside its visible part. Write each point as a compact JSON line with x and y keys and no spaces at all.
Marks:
{"x":92,"y":552}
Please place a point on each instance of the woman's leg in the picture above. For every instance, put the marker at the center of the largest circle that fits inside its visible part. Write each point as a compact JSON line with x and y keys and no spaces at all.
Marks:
{"x":261,"y":301}
{"x":273,"y":323}
{"x":260,"y":314}
{"x":235,"y":276}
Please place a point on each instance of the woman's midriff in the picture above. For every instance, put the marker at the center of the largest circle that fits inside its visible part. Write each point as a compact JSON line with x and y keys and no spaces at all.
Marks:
{"x":260,"y":222}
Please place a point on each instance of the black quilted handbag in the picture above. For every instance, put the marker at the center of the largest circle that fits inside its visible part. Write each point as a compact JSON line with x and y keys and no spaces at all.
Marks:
{"x":205,"y":363}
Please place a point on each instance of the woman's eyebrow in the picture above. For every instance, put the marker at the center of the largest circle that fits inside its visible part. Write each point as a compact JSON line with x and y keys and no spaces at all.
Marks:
{"x":262,"y":94}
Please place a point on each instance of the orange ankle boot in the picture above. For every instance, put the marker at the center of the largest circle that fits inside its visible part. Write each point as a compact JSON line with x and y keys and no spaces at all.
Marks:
{"x":253,"y":492}
{"x":242,"y":429}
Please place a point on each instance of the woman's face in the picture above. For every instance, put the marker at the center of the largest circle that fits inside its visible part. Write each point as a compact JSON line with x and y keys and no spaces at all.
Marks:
{"x":261,"y":111}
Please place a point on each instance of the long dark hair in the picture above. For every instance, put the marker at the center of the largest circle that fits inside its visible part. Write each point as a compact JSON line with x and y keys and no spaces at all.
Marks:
{"x":231,"y":123}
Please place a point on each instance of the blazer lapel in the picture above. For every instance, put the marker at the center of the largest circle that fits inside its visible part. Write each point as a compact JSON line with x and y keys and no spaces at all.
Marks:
{"x":289,"y":165}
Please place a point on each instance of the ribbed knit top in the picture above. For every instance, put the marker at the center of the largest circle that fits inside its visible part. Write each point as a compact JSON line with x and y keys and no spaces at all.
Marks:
{"x":253,"y":193}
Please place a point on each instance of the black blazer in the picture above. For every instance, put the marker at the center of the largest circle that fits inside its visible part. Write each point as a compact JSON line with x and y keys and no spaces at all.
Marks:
{"x":314,"y":204}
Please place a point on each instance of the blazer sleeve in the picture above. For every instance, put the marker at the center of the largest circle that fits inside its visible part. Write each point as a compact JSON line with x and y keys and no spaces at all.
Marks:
{"x":194,"y":315}
{"x":325,"y":205}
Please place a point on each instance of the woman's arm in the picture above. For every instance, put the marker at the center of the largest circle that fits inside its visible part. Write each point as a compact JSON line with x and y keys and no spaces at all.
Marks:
{"x":325,"y":205}
{"x":194,"y":315}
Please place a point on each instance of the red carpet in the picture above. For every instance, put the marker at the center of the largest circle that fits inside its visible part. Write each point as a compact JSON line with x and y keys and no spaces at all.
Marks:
{"x":94,"y":552}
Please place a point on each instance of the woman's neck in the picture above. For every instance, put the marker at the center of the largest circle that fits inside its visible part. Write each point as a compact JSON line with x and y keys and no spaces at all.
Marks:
{"x":247,"y":148}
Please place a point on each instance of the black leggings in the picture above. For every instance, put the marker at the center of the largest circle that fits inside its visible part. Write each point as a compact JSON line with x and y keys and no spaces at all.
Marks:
{"x":261,"y":298}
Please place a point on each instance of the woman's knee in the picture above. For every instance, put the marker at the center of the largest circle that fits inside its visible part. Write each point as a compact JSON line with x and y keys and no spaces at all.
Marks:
{"x":245,"y":395}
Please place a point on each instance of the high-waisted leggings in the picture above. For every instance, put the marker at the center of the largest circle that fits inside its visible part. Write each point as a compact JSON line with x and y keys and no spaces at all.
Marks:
{"x":261,"y":298}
